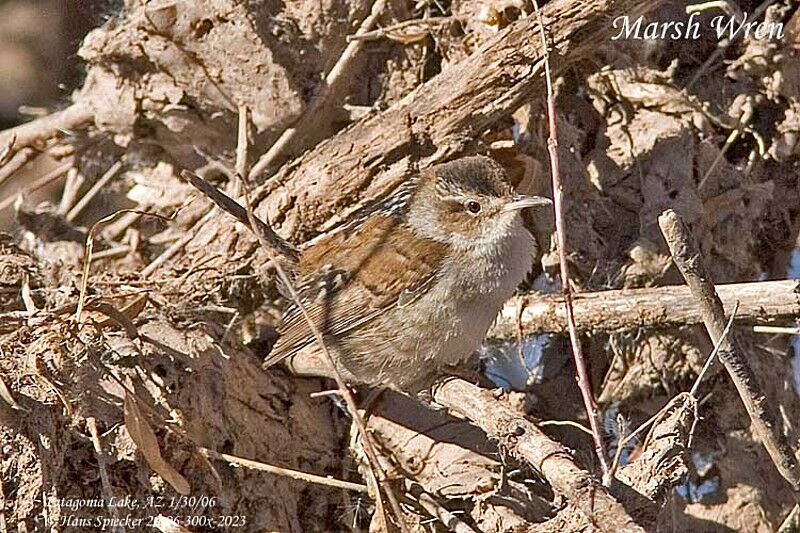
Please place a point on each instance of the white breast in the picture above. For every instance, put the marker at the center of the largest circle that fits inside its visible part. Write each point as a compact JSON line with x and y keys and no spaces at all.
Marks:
{"x":466,"y":300}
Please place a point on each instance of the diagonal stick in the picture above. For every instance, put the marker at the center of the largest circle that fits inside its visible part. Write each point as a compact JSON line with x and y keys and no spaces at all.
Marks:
{"x":375,"y":469}
{"x":689,"y":261}
{"x":266,"y":238}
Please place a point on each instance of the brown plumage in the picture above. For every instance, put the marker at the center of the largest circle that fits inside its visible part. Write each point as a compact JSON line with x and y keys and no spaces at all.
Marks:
{"x":415,"y":282}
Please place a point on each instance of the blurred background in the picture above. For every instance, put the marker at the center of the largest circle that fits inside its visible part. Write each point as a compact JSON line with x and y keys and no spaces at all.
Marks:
{"x":39,"y":67}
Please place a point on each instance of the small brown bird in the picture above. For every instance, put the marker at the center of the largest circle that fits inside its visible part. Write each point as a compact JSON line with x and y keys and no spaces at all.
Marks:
{"x":414,"y":283}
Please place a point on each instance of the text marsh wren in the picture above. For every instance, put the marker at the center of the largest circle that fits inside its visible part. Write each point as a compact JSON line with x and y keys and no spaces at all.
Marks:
{"x":414,"y":283}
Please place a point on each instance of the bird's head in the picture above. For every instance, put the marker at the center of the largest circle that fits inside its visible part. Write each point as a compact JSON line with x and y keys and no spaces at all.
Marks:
{"x":468,"y":203}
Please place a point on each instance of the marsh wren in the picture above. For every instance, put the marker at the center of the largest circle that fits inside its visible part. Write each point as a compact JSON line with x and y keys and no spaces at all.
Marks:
{"x":415,"y":282}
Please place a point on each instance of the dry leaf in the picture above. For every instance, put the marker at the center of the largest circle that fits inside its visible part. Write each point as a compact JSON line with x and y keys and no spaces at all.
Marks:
{"x":142,"y":434}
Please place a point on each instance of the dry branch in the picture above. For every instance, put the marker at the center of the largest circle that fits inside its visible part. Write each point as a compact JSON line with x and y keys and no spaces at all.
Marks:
{"x":452,"y":460}
{"x":527,"y":442}
{"x":331,"y":86}
{"x":689,"y":261}
{"x":645,"y":308}
{"x":280,"y":471}
{"x":327,"y":184}
{"x":47,"y":127}
{"x":448,"y":113}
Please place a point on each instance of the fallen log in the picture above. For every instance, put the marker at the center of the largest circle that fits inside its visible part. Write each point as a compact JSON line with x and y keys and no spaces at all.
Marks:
{"x":764,"y":301}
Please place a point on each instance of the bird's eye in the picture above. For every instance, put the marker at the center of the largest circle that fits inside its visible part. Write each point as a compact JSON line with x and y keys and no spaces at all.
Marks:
{"x":473,"y":207}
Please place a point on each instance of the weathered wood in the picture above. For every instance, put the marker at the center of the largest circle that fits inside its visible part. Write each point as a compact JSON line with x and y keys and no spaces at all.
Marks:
{"x":440,"y":119}
{"x":75,"y":116}
{"x":634,"y":308}
{"x":445,"y":116}
{"x":522,"y":439}
{"x":687,"y":257}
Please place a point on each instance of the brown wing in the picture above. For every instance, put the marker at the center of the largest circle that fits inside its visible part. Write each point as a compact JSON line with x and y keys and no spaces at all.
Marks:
{"x":350,"y":278}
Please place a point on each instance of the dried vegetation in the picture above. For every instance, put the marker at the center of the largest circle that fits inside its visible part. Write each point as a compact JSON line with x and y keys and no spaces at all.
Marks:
{"x":128,"y":366}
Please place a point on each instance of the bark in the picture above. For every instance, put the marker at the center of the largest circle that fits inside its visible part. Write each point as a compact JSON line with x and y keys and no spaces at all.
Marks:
{"x":522,"y":439}
{"x":659,"y":307}
{"x":440,"y":119}
{"x":763,"y":416}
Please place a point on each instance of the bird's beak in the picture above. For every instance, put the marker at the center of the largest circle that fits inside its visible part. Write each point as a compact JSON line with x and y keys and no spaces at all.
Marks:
{"x":522,"y":202}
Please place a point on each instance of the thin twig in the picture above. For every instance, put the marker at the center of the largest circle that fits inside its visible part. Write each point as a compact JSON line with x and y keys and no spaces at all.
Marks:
{"x":45,"y":128}
{"x":683,"y":396}
{"x":690,"y":263}
{"x":242,"y":146}
{"x":69,"y":193}
{"x":88,"y":256}
{"x":44,"y":181}
{"x":117,"y":251}
{"x":16,"y":162}
{"x":567,"y":423}
{"x":448,"y":519}
{"x":116,"y":229}
{"x":286,"y":472}
{"x":744,"y":119}
{"x":282,"y":247}
{"x":108,"y":491}
{"x":26,"y":295}
{"x":167,"y":254}
{"x":320,"y":100}
{"x":780,"y":330}
{"x":5,"y":155}
{"x":6,"y":396}
{"x":710,"y":360}
{"x":622,"y":429}
{"x":791,"y":524}
{"x":427,"y":23}
{"x":727,"y":6}
{"x":584,"y":383}
{"x":92,"y":192}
